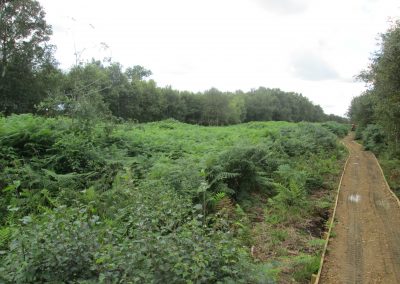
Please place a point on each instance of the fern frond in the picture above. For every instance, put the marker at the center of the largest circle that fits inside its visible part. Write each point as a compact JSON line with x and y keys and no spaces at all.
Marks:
{"x":5,"y":237}
{"x":223,"y":176}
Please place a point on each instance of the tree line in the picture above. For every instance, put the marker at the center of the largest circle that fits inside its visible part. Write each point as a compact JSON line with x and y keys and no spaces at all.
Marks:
{"x":378,"y":108}
{"x":30,"y":81}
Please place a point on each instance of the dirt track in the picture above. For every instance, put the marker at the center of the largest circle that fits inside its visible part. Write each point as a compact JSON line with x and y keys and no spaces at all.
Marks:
{"x":365,"y":247}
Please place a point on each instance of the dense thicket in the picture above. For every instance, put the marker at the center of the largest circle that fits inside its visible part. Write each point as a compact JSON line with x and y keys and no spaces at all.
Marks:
{"x":86,"y":200}
{"x":377,"y":111}
{"x":157,"y":203}
{"x":380,"y":104}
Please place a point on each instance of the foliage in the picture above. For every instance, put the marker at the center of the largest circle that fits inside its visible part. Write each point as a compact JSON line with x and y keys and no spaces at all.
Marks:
{"x":90,"y":91}
{"x":153,"y":202}
{"x":305,"y":266}
{"x":85,"y":199}
{"x":27,"y":69}
{"x":391,"y":169}
{"x":373,"y":138}
{"x":42,"y":157}
{"x":339,"y":129}
{"x":142,"y":243}
{"x":242,"y":170}
{"x":289,"y":197}
{"x":380,"y":104}
{"x":59,"y":247}
{"x":361,"y":110}
{"x":92,"y":88}
{"x":377,"y":111}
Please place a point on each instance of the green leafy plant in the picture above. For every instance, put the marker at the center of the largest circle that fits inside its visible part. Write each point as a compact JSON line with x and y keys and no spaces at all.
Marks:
{"x":156,"y":202}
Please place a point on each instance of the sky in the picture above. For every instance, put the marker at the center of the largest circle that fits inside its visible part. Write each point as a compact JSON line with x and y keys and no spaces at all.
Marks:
{"x":312,"y":47}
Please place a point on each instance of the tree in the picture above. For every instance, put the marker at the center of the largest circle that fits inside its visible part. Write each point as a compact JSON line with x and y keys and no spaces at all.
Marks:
{"x":137,"y":73}
{"x":81,"y":96}
{"x":193,"y":107}
{"x":25,"y":55}
{"x":362,"y":109}
{"x":383,"y":77}
{"x":215,"y":108}
{"x":174,"y":105}
{"x":237,"y":109}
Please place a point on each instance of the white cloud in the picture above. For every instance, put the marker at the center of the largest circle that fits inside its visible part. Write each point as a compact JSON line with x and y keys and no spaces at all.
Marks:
{"x":310,"y":66}
{"x":230,"y":44}
{"x":284,"y":6}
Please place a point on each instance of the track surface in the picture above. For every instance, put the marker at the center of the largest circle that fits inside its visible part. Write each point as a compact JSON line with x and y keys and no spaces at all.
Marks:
{"x":365,"y":247}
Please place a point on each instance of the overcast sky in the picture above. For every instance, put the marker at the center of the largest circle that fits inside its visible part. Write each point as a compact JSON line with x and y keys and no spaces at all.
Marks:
{"x":313,"y":47}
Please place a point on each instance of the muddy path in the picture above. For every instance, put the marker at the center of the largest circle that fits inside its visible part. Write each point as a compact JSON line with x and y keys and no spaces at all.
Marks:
{"x":365,"y":244}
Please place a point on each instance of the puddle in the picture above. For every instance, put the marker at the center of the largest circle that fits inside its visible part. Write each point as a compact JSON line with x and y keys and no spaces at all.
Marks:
{"x":355,"y":198}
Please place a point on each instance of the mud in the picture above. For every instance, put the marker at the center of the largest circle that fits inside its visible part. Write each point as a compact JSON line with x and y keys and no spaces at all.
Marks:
{"x":365,"y":246}
{"x":317,"y":226}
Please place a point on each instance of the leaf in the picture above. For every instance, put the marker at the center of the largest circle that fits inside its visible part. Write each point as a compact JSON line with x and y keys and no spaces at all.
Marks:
{"x":26,"y":220}
{"x":198,"y":207}
{"x":12,"y":209}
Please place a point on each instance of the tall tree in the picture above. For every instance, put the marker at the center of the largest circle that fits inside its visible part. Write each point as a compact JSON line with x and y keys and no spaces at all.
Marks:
{"x":215,"y":108}
{"x":25,"y":55}
{"x":383,"y":77}
{"x":362,"y":109}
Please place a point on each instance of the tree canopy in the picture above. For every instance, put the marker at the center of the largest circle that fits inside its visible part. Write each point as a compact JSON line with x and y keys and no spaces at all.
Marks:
{"x":30,"y":81}
{"x":380,"y":104}
{"x":129,"y":95}
{"x":27,"y":68}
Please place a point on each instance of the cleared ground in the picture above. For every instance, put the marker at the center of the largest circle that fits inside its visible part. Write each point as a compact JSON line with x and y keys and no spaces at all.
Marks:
{"x":365,"y":247}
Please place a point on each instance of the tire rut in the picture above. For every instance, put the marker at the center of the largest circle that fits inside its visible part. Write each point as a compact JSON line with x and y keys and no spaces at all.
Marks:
{"x":366,"y":245}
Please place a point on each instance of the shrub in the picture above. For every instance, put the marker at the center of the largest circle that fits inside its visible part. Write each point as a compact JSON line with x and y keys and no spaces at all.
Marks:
{"x":374,"y":138}
{"x":292,"y":196}
{"x":58,"y":247}
{"x":307,"y":139}
{"x":30,"y":135}
{"x":336,"y":128}
{"x":190,"y":254}
{"x":133,"y":205}
{"x":242,"y":170}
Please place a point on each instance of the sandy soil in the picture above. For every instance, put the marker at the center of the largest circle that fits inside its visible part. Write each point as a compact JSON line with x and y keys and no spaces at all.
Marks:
{"x":365,"y":247}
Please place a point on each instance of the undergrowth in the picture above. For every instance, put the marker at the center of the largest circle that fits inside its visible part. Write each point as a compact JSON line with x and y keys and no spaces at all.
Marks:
{"x":162,"y":202}
{"x":374,"y":139}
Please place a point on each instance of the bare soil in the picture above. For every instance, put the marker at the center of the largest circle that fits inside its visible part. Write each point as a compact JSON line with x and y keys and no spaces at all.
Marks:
{"x":365,"y":246}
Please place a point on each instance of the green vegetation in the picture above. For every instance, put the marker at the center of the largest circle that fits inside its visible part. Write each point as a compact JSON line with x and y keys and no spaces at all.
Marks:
{"x":31,"y":82}
{"x":377,"y":111}
{"x":27,"y":67}
{"x":162,"y":202}
{"x":103,"y":181}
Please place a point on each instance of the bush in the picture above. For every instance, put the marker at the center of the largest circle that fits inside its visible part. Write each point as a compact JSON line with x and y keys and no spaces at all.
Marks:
{"x":339,"y":129}
{"x":133,"y":205}
{"x":190,"y":254}
{"x":30,"y":135}
{"x":143,"y":243}
{"x":293,"y":196}
{"x":374,"y":138}
{"x":359,"y":133}
{"x":58,"y":247}
{"x":242,"y":170}
{"x":307,"y":139}
{"x":41,"y":157}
